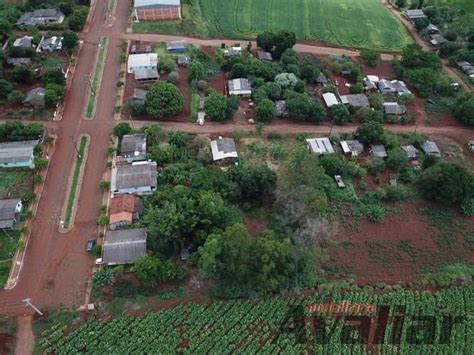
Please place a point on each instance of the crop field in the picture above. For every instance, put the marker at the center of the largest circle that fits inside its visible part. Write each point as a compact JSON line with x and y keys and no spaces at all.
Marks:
{"x":419,"y":322}
{"x":361,"y":23}
{"x":467,"y":5}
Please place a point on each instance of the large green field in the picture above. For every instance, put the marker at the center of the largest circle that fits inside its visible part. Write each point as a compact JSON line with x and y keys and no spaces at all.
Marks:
{"x":418,"y":323}
{"x":348,"y":23}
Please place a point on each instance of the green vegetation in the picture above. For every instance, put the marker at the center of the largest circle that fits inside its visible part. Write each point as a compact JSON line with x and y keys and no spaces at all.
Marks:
{"x":361,"y":24}
{"x":96,"y":80}
{"x":75,"y":181}
{"x":272,"y":326}
{"x":8,"y":246}
{"x":15,"y":183}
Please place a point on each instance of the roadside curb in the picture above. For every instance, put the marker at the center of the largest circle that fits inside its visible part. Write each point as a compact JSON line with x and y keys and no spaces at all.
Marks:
{"x":78,"y":188}
{"x":17,"y":262}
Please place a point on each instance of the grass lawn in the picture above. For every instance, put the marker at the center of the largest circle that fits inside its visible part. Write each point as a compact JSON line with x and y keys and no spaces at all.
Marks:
{"x":99,"y":68}
{"x":75,"y":181}
{"x":52,"y":62}
{"x":15,"y":183}
{"x":361,"y":23}
{"x":8,"y":246}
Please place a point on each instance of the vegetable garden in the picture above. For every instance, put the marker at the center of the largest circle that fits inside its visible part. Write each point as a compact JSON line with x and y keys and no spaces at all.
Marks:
{"x":268,"y":327}
{"x":362,"y":23}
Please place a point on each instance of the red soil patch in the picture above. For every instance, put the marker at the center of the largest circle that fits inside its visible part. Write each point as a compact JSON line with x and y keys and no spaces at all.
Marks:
{"x":393,"y":251}
{"x":218,"y":82}
{"x":6,"y":343}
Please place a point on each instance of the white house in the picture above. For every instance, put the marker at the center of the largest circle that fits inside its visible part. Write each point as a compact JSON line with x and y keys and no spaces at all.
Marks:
{"x":240,"y":87}
{"x":330,"y":99}
{"x":142,"y":61}
{"x":320,"y":146}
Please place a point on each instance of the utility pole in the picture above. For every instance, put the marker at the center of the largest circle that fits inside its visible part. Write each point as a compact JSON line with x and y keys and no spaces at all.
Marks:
{"x":27,"y":302}
{"x":75,"y":147}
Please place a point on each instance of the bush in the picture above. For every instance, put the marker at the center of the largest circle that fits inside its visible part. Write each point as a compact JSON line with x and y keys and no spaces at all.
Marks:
{"x":341,"y":114}
{"x":5,"y":88}
{"x":97,"y":250}
{"x":23,"y":74}
{"x":173,"y":78}
{"x":104,"y":185}
{"x":166,"y":65}
{"x":16,"y":97}
{"x":375,"y":213}
{"x":395,"y":193}
{"x":122,"y":129}
{"x":202,"y":85}
{"x":375,"y":165}
{"x":265,"y":110}
{"x":370,"y":57}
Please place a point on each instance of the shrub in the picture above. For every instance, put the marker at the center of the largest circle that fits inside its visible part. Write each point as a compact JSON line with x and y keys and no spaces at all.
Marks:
{"x":265,"y":110}
{"x":16,"y":97}
{"x":173,"y":78}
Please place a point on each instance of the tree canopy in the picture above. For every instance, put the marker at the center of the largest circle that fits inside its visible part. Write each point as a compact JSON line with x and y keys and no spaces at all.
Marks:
{"x":163,"y":100}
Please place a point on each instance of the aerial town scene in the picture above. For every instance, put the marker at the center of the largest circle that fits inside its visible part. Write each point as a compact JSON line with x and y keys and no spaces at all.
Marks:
{"x":236,"y":177}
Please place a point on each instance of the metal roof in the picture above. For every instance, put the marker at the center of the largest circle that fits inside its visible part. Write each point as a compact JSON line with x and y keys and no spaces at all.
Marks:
{"x":393,"y":108}
{"x":156,"y":3}
{"x":133,"y":146}
{"x":124,"y":246}
{"x":431,"y":148}
{"x":352,"y":146}
{"x":320,"y":146}
{"x":146,"y":74}
{"x":265,"y":56}
{"x":357,"y":100}
{"x":17,"y":152}
{"x":330,"y":99}
{"x":136,"y":175}
{"x":8,"y":209}
{"x":411,"y":151}
{"x":378,"y":150}
{"x":223,"y":148}
{"x":239,"y":86}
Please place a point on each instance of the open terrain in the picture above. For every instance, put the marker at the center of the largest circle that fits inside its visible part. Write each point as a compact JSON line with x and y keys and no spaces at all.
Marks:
{"x":359,"y":24}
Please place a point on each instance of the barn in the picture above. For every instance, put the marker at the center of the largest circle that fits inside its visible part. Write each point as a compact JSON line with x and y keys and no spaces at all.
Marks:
{"x":155,"y":10}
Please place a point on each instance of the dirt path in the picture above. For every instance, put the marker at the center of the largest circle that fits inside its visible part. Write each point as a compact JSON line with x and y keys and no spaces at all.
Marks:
{"x":421,"y":41}
{"x":25,"y":339}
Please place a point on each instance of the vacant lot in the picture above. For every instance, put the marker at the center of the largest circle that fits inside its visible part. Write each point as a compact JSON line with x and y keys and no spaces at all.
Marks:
{"x":15,"y":183}
{"x":362,"y":23}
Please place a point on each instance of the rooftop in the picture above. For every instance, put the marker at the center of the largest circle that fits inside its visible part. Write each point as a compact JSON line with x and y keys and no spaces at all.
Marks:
{"x":352,"y":146}
{"x":239,"y":86}
{"x":136,"y":175}
{"x":173,"y":45}
{"x":133,"y":146}
{"x":378,"y":150}
{"x":431,"y":148}
{"x":139,"y":94}
{"x":393,"y":108}
{"x":264,"y":56}
{"x":357,"y":100}
{"x":223,"y":148}
{"x":124,"y":246}
{"x":8,"y":209}
{"x":411,"y":151}
{"x":157,"y":3}
{"x":330,"y":99}
{"x":16,"y":152}
{"x":320,"y":146}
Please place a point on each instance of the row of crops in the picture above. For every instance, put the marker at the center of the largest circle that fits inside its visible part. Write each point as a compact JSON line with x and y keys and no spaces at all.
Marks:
{"x":418,"y":322}
{"x":362,"y":23}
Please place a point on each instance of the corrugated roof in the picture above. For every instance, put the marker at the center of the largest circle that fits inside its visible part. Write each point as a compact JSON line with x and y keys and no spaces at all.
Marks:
{"x":223,"y":148}
{"x":17,"y":152}
{"x":157,"y":3}
{"x":357,"y":100}
{"x":133,"y":146}
{"x":320,"y":146}
{"x":135,"y":175}
{"x":8,"y":209}
{"x":431,"y":148}
{"x":330,"y":99}
{"x":378,"y":150}
{"x":124,"y":246}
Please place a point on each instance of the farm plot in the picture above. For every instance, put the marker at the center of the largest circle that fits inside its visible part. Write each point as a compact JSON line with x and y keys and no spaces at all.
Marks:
{"x":361,"y":24}
{"x":279,"y":325}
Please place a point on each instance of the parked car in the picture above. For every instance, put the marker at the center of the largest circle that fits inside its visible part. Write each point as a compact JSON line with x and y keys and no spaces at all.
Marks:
{"x":90,"y":245}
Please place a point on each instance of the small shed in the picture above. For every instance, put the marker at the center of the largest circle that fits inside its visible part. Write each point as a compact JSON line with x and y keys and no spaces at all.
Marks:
{"x":320,"y":146}
{"x":25,"y":41}
{"x":432,"y":29}
{"x":144,"y":75}
{"x":139,"y":95}
{"x":265,"y":56}
{"x":339,"y":181}
{"x":415,"y":14}
{"x":394,"y":108}
{"x":378,"y":150}
{"x":9,"y":209}
{"x":281,"y":108}
{"x":411,"y":151}
{"x":18,"y":61}
{"x":352,"y":147}
{"x":184,"y":60}
{"x":177,"y":46}
{"x":232,"y":51}
{"x":124,"y":246}
{"x":224,"y":149}
{"x":431,"y":148}
{"x":240,"y":87}
{"x":437,"y":40}
{"x":470,"y":145}
{"x":322,"y":80}
{"x":330,"y":99}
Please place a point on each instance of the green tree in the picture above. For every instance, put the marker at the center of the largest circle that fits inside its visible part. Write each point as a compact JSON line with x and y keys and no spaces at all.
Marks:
{"x":195,"y":72}
{"x":301,"y":107}
{"x":371,"y":132}
{"x":464,"y":109}
{"x":253,"y":180}
{"x":122,"y":129}
{"x":163,"y":100}
{"x":266,"y":41}
{"x":265,"y":110}
{"x":55,"y":76}
{"x":51,"y":98}
{"x":16,"y":97}
{"x":70,"y":41}
{"x":283,"y":40}
{"x":5,"y":88}
{"x":341,"y":114}
{"x":78,"y":18}
{"x":238,"y":71}
{"x":309,"y":72}
{"x":272,"y":90}
{"x":370,"y":57}
{"x":397,"y":158}
{"x":446,"y":183}
{"x":216,"y":107}
{"x":23,"y":74}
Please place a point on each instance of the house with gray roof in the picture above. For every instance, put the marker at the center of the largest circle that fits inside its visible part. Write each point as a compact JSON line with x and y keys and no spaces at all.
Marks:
{"x":133,"y":147}
{"x":394,"y":108}
{"x":431,"y":148}
{"x":322,"y":80}
{"x":35,"y":97}
{"x":139,"y":95}
{"x":177,"y":46}
{"x":183,"y":60}
{"x":124,"y":246}
{"x":415,"y":14}
{"x":41,"y":17}
{"x":411,"y":151}
{"x":281,"y":108}
{"x":264,"y":56}
{"x":378,"y":150}
{"x":156,"y":10}
{"x":138,"y":178}
{"x":51,"y":44}
{"x":224,"y":149}
{"x":357,"y":100}
{"x":25,"y":41}
{"x":437,"y":40}
{"x":18,"y":61}
{"x":18,"y":154}
{"x":352,"y":147}
{"x":240,"y":87}
{"x":9,"y":210}
{"x":320,"y":146}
